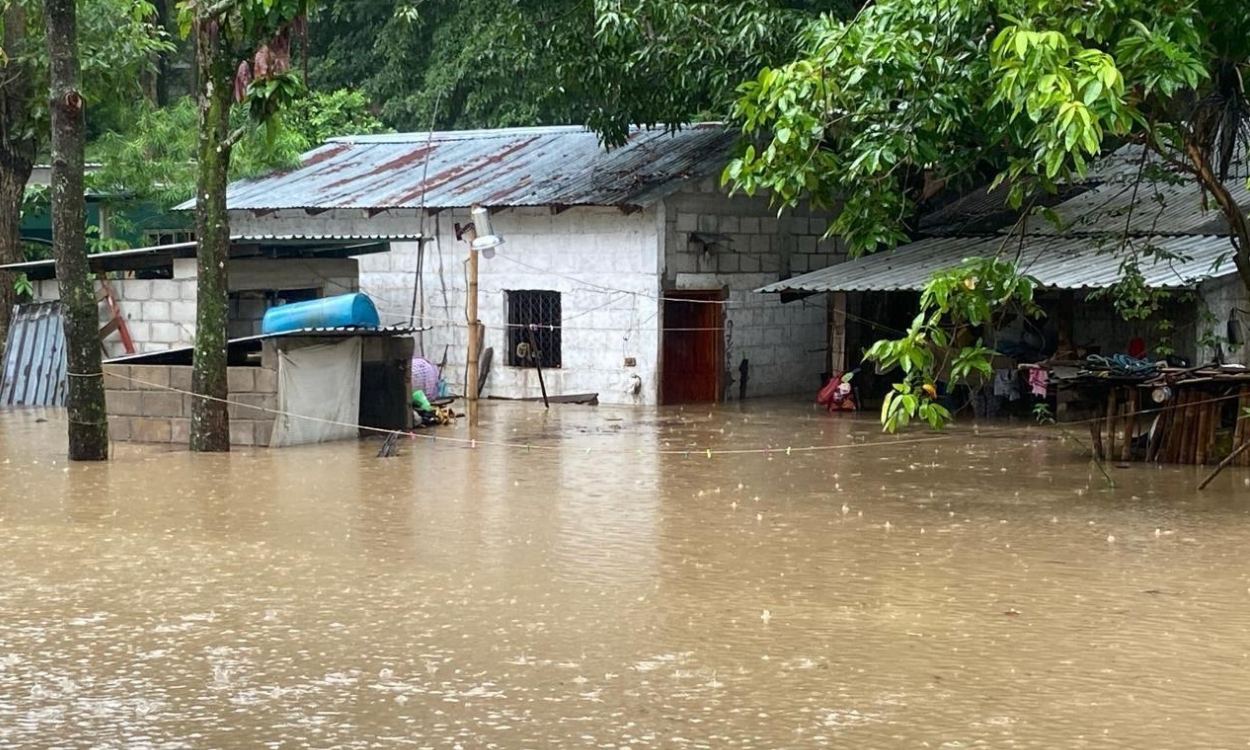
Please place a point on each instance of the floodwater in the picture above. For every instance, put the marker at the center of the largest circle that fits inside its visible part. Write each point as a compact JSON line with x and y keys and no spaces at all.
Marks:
{"x":586,"y":589}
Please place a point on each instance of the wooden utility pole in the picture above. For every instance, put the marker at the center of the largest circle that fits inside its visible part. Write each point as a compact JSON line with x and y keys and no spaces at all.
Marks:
{"x":88,"y":424}
{"x":470,"y":378}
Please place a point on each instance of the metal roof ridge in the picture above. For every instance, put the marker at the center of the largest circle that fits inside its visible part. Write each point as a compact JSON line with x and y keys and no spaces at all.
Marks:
{"x":417,"y":137}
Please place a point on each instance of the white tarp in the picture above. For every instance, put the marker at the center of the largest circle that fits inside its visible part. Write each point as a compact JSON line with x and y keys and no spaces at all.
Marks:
{"x":322,"y":382}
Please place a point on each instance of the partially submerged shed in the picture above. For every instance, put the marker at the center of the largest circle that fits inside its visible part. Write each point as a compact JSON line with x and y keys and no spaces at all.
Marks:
{"x":154,"y":288}
{"x":304,"y":386}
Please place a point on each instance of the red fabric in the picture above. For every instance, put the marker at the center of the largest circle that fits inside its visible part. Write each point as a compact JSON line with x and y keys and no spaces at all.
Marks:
{"x":836,"y":395}
{"x":1136,"y":348}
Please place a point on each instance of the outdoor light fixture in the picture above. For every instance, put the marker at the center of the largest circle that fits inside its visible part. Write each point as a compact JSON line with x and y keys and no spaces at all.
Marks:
{"x":486,"y":241}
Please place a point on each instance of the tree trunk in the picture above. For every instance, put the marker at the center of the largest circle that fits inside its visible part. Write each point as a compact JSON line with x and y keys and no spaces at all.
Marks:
{"x":15,"y":169}
{"x":162,"y":72}
{"x":210,"y":423}
{"x":17,"y":150}
{"x":88,"y":424}
{"x":1236,"y":216}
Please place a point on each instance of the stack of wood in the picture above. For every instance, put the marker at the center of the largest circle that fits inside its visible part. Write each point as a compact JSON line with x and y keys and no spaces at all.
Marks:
{"x":1180,"y":416}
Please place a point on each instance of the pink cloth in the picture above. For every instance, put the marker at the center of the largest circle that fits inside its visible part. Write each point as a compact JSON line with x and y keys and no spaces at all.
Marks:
{"x":1037,"y":381}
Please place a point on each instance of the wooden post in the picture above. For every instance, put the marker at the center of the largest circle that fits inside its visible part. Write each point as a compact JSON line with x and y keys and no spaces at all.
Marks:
{"x":1111,"y":423}
{"x":1243,"y":423}
{"x":1130,"y":422}
{"x":470,"y":380}
{"x":1189,"y":430}
{"x":837,"y":332}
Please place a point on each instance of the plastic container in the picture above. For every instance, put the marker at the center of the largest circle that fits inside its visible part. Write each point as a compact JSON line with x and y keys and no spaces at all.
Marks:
{"x":330,"y":312}
{"x":425,"y":376}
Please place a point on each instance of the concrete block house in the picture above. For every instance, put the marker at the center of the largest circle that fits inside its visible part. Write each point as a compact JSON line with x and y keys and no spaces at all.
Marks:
{"x":629,"y":271}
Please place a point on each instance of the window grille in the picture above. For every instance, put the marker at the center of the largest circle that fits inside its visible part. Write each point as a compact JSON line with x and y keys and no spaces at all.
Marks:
{"x":154,"y":237}
{"x":533,"y":328}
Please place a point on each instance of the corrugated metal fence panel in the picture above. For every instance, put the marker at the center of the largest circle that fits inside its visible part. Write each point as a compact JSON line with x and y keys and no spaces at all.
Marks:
{"x":34,"y":357}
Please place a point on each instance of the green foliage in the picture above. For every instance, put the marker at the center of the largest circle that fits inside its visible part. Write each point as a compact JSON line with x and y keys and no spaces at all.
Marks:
{"x":951,"y":304}
{"x":154,"y":158}
{"x":912,"y":91}
{"x":22,"y":285}
{"x":117,"y":43}
{"x":605,"y":63}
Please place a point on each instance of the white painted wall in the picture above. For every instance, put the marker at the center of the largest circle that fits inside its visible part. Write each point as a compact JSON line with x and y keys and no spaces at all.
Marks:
{"x":604,"y":263}
{"x":786,"y":344}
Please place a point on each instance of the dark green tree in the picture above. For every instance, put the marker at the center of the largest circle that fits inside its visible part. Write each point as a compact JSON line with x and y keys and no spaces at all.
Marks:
{"x":500,"y":63}
{"x":117,"y":41}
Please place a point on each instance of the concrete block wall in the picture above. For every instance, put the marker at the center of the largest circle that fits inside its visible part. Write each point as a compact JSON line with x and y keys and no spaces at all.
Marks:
{"x":786,"y":344}
{"x":160,"y":313}
{"x":1096,"y":322}
{"x":1224,"y":300}
{"x":145,"y":406}
{"x":604,"y":263}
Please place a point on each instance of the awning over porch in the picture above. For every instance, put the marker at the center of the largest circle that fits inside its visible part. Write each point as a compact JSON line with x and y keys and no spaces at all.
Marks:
{"x":1080,"y":262}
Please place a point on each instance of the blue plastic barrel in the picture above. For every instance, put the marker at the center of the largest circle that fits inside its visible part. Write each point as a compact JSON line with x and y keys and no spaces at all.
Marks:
{"x":330,"y":312}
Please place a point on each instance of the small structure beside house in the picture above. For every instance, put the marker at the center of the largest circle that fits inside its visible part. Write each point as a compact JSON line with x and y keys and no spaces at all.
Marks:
{"x":341,"y":382}
{"x":626,"y":272}
{"x":338,"y":377}
{"x":154,"y":288}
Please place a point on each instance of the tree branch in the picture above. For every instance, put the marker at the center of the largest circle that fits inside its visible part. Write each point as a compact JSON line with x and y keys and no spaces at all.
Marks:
{"x":234,"y":138}
{"x":1236,"y":216}
{"x":219,"y":8}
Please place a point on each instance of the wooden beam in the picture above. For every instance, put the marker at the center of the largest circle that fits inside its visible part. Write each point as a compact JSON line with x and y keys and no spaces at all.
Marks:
{"x":837,"y":332}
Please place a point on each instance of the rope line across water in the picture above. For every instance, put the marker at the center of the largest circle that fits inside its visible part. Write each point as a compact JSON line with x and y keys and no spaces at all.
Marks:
{"x":708,"y":452}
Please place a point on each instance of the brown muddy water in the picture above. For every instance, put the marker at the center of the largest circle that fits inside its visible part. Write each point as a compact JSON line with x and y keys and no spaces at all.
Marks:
{"x":981,"y":590}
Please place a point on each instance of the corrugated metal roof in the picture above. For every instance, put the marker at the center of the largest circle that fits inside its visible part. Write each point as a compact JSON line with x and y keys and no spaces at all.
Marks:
{"x":182,"y":354}
{"x":1056,"y":262}
{"x":562,"y":166}
{"x":242,"y":246}
{"x":1151,"y":207}
{"x":33,"y":372}
{"x":983,"y":211}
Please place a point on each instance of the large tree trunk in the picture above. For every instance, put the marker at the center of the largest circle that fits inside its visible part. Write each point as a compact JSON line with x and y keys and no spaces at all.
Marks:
{"x":15,"y":169}
{"x":210,"y":424}
{"x":88,"y":425}
{"x":17,"y":150}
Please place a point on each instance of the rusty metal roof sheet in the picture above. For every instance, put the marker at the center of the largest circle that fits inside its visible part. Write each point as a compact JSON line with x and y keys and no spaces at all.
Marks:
{"x":553,"y":166}
{"x":1056,"y":262}
{"x":33,"y":370}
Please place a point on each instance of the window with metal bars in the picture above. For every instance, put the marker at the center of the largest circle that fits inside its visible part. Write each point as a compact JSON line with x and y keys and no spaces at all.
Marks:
{"x":533,"y":328}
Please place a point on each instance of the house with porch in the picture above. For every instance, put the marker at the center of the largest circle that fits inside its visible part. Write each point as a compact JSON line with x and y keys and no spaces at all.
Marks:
{"x":1161,"y":226}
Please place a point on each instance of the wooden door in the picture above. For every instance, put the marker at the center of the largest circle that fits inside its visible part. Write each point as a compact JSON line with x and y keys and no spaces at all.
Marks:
{"x":693,"y":346}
